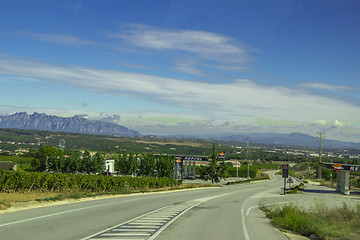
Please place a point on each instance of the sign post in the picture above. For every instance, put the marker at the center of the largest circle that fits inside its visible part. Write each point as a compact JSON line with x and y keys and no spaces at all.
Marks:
{"x":285,"y":174}
{"x":178,"y":170}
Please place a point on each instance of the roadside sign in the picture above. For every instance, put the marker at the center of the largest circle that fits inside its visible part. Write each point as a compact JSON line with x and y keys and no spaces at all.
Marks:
{"x":337,"y":167}
{"x":285,"y":170}
{"x":285,"y":174}
{"x":290,"y":180}
{"x":192,"y":158}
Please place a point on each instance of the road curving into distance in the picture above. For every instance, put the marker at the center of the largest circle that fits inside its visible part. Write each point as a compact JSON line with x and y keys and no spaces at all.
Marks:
{"x":229,"y":212}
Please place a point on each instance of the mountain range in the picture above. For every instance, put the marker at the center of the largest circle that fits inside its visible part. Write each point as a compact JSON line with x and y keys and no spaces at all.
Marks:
{"x":292,"y":139}
{"x":76,"y":124}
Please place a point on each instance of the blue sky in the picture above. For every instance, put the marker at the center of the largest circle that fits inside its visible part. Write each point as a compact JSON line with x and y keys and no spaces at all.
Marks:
{"x":186,"y":67}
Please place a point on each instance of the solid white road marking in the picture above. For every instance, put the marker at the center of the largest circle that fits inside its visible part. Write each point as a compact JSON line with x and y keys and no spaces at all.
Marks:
{"x":257,"y":195}
{"x":59,"y":213}
{"x":120,"y":238}
{"x":125,"y":234}
{"x":133,"y":230}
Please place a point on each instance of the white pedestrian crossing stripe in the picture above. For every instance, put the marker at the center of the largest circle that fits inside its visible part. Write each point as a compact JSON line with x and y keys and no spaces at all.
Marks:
{"x":149,"y":225}
{"x":143,"y":227}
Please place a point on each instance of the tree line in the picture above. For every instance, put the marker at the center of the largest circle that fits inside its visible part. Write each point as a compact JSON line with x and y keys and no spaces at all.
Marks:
{"x":147,"y":164}
{"x":53,"y":159}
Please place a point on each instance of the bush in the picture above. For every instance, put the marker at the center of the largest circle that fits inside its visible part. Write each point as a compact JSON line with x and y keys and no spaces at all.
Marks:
{"x":327,"y":223}
{"x":291,"y":218}
{"x":10,"y":180}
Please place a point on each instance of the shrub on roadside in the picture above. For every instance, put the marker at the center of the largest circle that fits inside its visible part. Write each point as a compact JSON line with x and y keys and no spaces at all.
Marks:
{"x":324,"y":222}
{"x":20,"y":181}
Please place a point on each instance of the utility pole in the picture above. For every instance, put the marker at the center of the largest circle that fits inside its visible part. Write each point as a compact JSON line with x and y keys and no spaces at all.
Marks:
{"x":247,"y":156}
{"x":237,"y":170}
{"x":62,"y":144}
{"x":321,"y":139}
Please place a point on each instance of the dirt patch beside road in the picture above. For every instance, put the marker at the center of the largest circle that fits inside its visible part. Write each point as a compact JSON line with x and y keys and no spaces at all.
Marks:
{"x":18,"y":201}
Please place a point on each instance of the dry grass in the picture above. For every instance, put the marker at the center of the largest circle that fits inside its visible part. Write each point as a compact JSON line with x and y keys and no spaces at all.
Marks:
{"x":9,"y":199}
{"x":24,"y":199}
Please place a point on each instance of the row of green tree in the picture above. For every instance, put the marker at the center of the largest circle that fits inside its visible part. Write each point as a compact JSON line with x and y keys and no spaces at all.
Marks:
{"x":53,"y":159}
{"x":145,"y":165}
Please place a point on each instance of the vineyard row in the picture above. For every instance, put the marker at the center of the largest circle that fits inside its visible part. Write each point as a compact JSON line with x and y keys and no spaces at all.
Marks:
{"x":44,"y":181}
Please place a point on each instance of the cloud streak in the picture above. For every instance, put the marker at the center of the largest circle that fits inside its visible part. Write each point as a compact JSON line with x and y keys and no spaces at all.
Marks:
{"x":239,"y":98}
{"x":56,"y":38}
{"x":207,"y":46}
{"x":329,"y":87}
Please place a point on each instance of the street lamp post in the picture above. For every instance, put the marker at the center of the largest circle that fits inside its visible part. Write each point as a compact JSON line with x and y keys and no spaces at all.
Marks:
{"x":247,"y":156}
{"x":248,"y":175}
{"x":248,"y":170}
{"x":237,"y":169}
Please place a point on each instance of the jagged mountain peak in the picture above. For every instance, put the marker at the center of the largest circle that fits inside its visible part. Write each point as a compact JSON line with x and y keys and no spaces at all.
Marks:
{"x":76,"y":124}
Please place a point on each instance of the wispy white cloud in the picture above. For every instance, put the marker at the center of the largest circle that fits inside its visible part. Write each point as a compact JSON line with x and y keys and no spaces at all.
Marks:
{"x":331,"y":124}
{"x":240,"y":100}
{"x":56,"y":38}
{"x":134,"y":65}
{"x":205,"y":46}
{"x":329,"y":87}
{"x":321,"y":122}
{"x":234,"y":68}
{"x":191,"y":48}
{"x":188,"y":66}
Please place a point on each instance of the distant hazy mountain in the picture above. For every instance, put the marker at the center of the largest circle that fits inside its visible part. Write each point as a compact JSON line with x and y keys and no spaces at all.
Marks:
{"x":76,"y":124}
{"x":292,"y":139}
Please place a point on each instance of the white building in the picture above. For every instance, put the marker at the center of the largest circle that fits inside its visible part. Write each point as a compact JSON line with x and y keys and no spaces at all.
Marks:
{"x":110,"y":165}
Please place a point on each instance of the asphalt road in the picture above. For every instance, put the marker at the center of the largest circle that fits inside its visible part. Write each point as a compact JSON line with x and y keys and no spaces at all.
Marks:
{"x":212,"y":213}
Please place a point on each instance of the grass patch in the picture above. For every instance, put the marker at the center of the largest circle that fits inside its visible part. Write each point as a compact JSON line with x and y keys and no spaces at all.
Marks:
{"x":322,"y":221}
{"x":23,"y":198}
{"x":264,"y":177}
{"x":297,"y":189}
{"x":68,"y":195}
{"x":192,"y":185}
{"x":13,"y":198}
{"x":59,"y":197}
{"x":4,"y":204}
{"x":144,"y":190}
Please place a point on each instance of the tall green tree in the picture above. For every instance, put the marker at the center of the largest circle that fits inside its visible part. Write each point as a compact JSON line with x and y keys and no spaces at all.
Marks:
{"x":98,"y":163}
{"x":74,"y":163}
{"x":53,"y":163}
{"x":46,"y":158}
{"x":127,"y":164}
{"x":132,"y":164}
{"x":87,"y":166}
{"x":120,"y":164}
{"x":147,"y":165}
{"x":165,"y":166}
{"x":216,"y":170}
